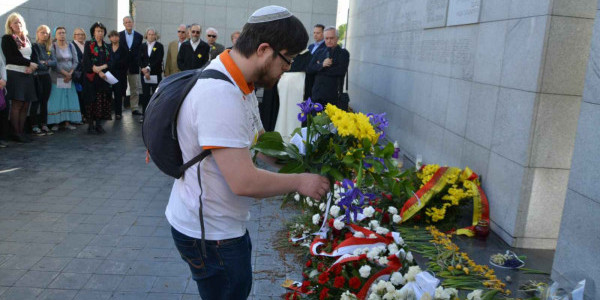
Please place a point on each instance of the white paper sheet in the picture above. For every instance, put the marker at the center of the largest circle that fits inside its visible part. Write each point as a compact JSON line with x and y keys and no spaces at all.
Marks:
{"x":61,"y":84}
{"x":110,"y":78}
{"x":153,"y":79}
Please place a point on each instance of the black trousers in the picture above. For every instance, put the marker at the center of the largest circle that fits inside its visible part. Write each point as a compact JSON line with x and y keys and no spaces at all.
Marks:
{"x":118,"y":91}
{"x":38,"y":111}
{"x":147,"y":91}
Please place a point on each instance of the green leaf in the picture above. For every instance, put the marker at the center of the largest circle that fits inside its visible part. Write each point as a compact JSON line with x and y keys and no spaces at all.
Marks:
{"x":293,"y":167}
{"x":336,"y":175}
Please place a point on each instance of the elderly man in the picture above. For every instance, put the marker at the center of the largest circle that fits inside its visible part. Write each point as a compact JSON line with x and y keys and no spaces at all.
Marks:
{"x":329,"y":66}
{"x":173,"y":50}
{"x":313,"y":48}
{"x":211,"y":39}
{"x":132,"y":40}
{"x":194,"y":53}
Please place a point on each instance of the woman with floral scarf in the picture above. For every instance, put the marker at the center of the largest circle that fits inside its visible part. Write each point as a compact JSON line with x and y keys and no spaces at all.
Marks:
{"x":96,"y":90}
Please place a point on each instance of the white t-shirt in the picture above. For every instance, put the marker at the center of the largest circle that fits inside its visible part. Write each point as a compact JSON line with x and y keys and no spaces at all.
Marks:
{"x":215,"y":113}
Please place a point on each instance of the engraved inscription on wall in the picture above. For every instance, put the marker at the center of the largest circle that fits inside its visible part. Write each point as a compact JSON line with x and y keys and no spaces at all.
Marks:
{"x":463,"y":12}
{"x":435,"y":13}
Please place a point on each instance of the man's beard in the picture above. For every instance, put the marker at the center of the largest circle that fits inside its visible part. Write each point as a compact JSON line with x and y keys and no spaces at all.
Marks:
{"x":195,"y":39}
{"x":264,"y":80}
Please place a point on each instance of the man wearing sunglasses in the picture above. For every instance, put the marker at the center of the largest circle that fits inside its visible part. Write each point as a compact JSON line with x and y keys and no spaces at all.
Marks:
{"x":193,"y":53}
{"x":211,"y":39}
{"x":223,"y":116}
{"x":173,"y":50}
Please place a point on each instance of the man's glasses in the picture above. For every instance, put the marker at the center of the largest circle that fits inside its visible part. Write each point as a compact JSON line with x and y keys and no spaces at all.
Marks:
{"x":212,"y":36}
{"x":180,"y":31}
{"x":195,"y":31}
{"x":289,"y":62}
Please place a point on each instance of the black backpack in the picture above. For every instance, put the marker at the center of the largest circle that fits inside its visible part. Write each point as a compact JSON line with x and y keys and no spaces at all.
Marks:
{"x":160,"y":120}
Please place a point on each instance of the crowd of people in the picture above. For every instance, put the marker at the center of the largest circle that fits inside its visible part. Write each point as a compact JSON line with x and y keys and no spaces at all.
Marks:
{"x":51,"y":83}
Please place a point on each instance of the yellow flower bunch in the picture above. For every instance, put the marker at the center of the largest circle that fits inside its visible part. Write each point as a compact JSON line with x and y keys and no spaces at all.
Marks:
{"x":427,"y":173}
{"x":454,"y":195}
{"x":437,"y":214}
{"x":460,"y":261}
{"x":351,"y":124}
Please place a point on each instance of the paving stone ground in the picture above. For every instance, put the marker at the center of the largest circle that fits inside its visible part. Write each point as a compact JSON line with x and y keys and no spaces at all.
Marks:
{"x":82,"y":217}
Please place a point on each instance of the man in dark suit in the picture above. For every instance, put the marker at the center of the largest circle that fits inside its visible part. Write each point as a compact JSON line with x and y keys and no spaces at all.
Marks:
{"x":132,"y":40}
{"x":329,"y":66}
{"x":313,"y":48}
{"x":151,"y":61}
{"x":193,"y":53}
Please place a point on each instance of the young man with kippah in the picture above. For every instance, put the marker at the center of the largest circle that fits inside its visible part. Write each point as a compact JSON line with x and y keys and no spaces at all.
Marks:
{"x":224,"y":117}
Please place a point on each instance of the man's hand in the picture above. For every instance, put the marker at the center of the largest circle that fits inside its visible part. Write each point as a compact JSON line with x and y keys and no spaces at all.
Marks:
{"x":327,"y":62}
{"x":2,"y":83}
{"x":313,"y":185}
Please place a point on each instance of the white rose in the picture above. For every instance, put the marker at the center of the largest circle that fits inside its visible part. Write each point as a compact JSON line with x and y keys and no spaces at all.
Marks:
{"x":339,"y":225}
{"x":374,"y":296}
{"x":412,"y":272}
{"x":297,"y":197}
{"x":409,"y":256}
{"x":322,"y":207}
{"x":389,"y":287}
{"x":364,"y":271}
{"x":309,"y":203}
{"x":475,"y":295}
{"x":316,"y":218}
{"x":392,"y":210}
{"x":382,"y":230}
{"x":334,"y":211}
{"x":359,"y":234}
{"x":392,"y":248}
{"x":368,"y":211}
{"x":396,"y":218}
{"x":372,"y":236}
{"x":397,"y":279}
{"x":380,"y":287}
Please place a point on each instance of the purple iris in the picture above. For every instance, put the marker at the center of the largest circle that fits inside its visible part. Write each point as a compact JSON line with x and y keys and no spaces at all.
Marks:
{"x":380,"y":123}
{"x":347,"y":201}
{"x":396,"y":153}
{"x":306,"y":107}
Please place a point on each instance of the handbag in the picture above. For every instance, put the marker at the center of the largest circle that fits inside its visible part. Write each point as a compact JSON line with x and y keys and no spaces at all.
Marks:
{"x":343,"y":99}
{"x":2,"y":99}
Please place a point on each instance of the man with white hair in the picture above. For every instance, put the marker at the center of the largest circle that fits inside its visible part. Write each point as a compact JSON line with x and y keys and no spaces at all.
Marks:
{"x":329,"y":66}
{"x":173,"y":50}
{"x":193,"y":53}
{"x":132,"y":41}
{"x":211,"y":39}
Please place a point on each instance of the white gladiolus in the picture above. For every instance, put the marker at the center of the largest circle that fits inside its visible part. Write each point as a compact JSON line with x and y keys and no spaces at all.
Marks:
{"x":382,"y":230}
{"x":297,"y":197}
{"x":409,"y":256}
{"x":445,"y":294}
{"x":396,"y":218}
{"x":475,"y":295}
{"x":397,"y":279}
{"x":334,"y":211}
{"x":347,"y":295}
{"x":392,"y":248}
{"x":392,"y":210}
{"x":322,"y":207}
{"x":412,"y":272}
{"x":339,"y":225}
{"x":368,"y":211}
{"x":309,"y":203}
{"x":383,"y":261}
{"x":316,"y":218}
{"x":359,"y":234}
{"x":373,"y":224}
{"x":364,"y":271}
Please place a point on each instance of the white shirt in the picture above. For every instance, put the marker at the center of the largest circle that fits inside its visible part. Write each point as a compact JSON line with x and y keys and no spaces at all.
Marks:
{"x":150,"y":47}
{"x":195,"y":45}
{"x":215,"y":113}
{"x":179,"y":45}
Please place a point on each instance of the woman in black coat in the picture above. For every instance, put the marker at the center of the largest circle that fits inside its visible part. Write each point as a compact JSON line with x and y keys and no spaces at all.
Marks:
{"x":96,"y":90}
{"x":151,"y":64}
{"x":118,"y":67}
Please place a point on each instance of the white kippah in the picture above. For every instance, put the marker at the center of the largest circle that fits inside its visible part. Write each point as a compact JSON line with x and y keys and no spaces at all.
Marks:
{"x":269,"y":13}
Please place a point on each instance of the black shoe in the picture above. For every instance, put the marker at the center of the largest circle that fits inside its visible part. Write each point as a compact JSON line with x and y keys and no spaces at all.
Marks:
{"x":136,"y":113}
{"x":99,"y":129}
{"x":91,"y":129}
{"x":118,"y":117}
{"x":20,"y":138}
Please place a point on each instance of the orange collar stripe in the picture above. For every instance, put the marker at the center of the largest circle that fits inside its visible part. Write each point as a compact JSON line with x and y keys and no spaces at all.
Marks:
{"x":236,"y":73}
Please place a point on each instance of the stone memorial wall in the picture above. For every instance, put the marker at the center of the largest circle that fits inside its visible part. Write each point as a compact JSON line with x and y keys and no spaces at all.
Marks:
{"x":496,"y":87}
{"x":68,"y":13}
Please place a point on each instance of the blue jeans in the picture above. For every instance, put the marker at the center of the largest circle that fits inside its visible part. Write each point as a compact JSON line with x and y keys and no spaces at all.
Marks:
{"x":226,"y":272}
